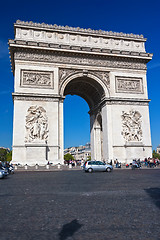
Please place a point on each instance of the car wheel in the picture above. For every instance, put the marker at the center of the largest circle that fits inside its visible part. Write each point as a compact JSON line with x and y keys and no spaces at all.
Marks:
{"x":108,"y":169}
{"x":90,"y":170}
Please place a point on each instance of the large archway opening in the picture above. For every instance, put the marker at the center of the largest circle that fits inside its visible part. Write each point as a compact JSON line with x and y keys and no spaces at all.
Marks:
{"x":76,"y":121}
{"x":87,"y":88}
{"x":93,"y":93}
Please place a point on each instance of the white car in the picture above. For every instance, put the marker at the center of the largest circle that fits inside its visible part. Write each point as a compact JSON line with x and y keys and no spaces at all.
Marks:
{"x":90,"y":166}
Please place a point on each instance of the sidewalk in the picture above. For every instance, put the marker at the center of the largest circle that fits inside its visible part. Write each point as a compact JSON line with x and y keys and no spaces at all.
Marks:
{"x":46,"y":168}
{"x":65,"y":168}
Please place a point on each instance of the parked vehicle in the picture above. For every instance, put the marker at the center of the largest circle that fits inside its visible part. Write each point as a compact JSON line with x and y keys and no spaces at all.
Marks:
{"x":11,"y":169}
{"x":90,"y":166}
{"x":7,"y":168}
{"x":3,"y":173}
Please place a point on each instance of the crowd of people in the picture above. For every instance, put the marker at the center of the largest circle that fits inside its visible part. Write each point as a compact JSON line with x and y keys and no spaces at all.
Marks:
{"x":147,"y":162}
{"x":151,"y":162}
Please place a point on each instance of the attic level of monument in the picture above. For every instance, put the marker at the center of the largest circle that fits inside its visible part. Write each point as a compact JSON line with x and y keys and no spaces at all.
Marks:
{"x":107,"y":69}
{"x":50,"y":27}
{"x":43,"y":42}
{"x":27,"y":33}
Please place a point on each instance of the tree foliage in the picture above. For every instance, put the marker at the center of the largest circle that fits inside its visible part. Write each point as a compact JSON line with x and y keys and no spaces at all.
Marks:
{"x":68,"y":157}
{"x":155,"y":155}
{"x":3,"y":154}
{"x":9,"y":156}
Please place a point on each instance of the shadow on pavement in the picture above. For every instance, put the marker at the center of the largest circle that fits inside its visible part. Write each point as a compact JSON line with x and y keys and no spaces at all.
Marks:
{"x":69,"y":229}
{"x":154,"y":193}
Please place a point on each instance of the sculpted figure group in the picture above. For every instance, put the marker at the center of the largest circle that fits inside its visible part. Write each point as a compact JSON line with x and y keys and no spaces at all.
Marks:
{"x":36,"y":78}
{"x":131,"y":124}
{"x":36,"y":124}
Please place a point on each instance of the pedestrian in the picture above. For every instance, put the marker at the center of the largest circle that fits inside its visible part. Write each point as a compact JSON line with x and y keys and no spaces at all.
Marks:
{"x":146,"y":163}
{"x":154,"y":162}
{"x":117,"y":163}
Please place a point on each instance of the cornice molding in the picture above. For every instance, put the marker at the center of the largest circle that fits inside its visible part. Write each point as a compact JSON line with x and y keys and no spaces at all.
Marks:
{"x":69,"y":48}
{"x":119,"y":101}
{"x":37,"y":97}
{"x":79,"y":30}
{"x":137,"y":101}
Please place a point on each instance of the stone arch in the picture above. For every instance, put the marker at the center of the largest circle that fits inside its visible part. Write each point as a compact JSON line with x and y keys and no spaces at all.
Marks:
{"x":94,"y":91}
{"x":86,"y":85}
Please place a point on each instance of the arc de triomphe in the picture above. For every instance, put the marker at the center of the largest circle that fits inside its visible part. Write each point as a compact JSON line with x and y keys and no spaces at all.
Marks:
{"x":107,"y":69}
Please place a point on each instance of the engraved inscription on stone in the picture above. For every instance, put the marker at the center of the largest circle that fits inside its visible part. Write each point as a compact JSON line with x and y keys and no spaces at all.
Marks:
{"x":131,"y":125}
{"x":36,"y":124}
{"x":42,"y":79}
{"x":130,"y":85}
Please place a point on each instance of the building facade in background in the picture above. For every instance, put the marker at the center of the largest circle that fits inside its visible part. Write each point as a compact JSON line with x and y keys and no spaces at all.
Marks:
{"x":79,"y":153}
{"x":158,"y":149}
{"x":107,"y":69}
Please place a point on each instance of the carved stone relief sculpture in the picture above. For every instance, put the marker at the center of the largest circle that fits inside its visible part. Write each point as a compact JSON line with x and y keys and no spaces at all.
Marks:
{"x":64,"y":73}
{"x":104,"y":76}
{"x":36,"y":124}
{"x":36,"y":78}
{"x":131,"y":124}
{"x":71,"y":59}
{"x":130,"y":85}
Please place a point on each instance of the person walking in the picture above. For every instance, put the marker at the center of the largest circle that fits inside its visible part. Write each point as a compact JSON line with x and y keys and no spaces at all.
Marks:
{"x":117,"y":163}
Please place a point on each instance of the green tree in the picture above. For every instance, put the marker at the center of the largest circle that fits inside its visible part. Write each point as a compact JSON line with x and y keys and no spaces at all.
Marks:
{"x":9,"y":156}
{"x":3,"y":154}
{"x":155,"y":155}
{"x":68,"y":157}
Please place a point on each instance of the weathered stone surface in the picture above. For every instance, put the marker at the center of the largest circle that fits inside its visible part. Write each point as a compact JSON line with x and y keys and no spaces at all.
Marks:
{"x":107,"y":69}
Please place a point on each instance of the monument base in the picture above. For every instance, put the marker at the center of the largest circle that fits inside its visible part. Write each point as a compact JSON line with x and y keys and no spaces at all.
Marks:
{"x":36,"y":153}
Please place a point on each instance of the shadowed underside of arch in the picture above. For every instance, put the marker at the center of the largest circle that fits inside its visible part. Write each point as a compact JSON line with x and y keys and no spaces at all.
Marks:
{"x":87,"y":88}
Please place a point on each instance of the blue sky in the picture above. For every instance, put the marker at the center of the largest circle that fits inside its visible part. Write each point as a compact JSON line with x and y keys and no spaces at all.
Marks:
{"x":138,"y":16}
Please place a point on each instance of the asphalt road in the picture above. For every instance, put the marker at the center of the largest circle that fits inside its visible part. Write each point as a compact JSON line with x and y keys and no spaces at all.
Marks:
{"x":68,"y":205}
